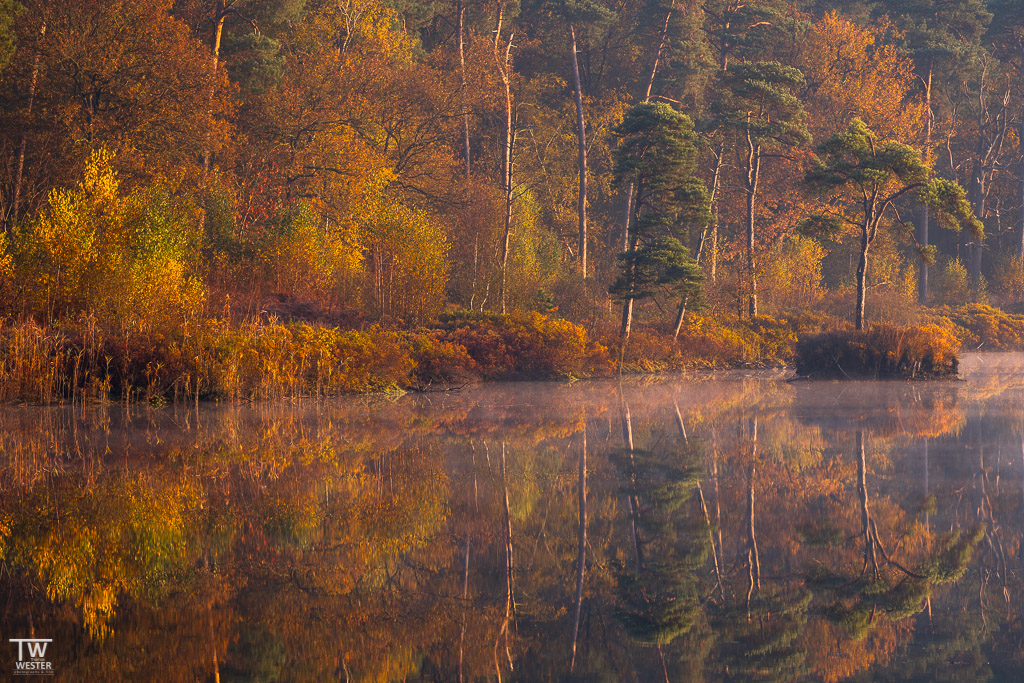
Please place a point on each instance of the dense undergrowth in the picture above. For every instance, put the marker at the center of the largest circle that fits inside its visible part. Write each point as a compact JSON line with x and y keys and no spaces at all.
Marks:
{"x":81,"y":359}
{"x":882,"y":351}
{"x":78,"y":360}
{"x":983,"y":327}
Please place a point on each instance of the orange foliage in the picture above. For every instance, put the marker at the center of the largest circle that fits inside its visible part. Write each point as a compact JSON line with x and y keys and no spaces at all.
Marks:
{"x":851,"y":72}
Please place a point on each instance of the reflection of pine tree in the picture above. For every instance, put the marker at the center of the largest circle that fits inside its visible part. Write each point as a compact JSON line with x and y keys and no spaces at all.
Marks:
{"x":763,"y":640}
{"x":659,"y":596}
{"x":890,"y":588}
{"x":951,"y":650}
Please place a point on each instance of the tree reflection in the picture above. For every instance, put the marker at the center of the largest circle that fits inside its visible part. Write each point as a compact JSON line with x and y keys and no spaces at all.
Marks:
{"x":721,"y":530}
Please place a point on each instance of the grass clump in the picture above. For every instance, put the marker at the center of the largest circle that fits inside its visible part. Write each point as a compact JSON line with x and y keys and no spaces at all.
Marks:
{"x":880,"y":352}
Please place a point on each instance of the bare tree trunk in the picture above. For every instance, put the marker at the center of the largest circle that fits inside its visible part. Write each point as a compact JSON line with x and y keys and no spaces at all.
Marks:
{"x":510,"y":603}
{"x":712,"y":226}
{"x":977,"y":195}
{"x":862,"y":494}
{"x":927,"y":488}
{"x":662,"y":39}
{"x":220,"y":14}
{"x":465,"y":603}
{"x":581,"y":552}
{"x":20,"y":164}
{"x":753,"y":177}
{"x":634,"y":503}
{"x":923,"y":215}
{"x":467,"y":161}
{"x":703,"y":505}
{"x":626,"y":218}
{"x":581,"y":156}
{"x":502,"y":61}
{"x":627,"y":307}
{"x":862,"y":276}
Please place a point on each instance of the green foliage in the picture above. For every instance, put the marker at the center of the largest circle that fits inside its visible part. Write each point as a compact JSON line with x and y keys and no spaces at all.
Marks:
{"x":952,"y":284}
{"x":948,"y":200}
{"x":656,"y":264}
{"x":756,"y":99}
{"x":9,"y":10}
{"x":658,"y":156}
{"x":949,"y":562}
{"x":856,"y":157}
{"x":658,"y":596}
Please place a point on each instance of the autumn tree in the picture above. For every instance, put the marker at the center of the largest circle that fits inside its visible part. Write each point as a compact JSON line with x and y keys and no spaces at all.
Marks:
{"x":656,"y":158}
{"x":757,"y":106}
{"x":939,"y":35}
{"x":864,"y":178}
{"x":122,"y":75}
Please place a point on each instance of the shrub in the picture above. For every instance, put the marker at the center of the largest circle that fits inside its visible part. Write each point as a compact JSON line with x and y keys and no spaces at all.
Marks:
{"x":883,"y":351}
{"x":440,"y":361}
{"x":951,"y":285}
{"x":519,"y":345}
{"x":988,"y":328}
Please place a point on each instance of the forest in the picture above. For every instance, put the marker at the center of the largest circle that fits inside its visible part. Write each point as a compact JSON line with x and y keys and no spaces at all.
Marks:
{"x":261,"y":198}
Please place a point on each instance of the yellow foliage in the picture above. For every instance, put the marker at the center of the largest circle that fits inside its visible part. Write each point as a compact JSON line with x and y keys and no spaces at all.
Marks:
{"x":407,"y":253}
{"x":791,"y":278}
{"x":124,"y":258}
{"x":309,"y":258}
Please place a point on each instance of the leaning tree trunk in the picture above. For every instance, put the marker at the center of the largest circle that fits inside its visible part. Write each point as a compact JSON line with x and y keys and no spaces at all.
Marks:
{"x":662,"y":38}
{"x":680,"y":315}
{"x":581,"y":156}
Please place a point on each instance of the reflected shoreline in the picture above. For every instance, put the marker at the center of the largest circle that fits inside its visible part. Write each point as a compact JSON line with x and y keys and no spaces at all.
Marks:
{"x":659,"y":528}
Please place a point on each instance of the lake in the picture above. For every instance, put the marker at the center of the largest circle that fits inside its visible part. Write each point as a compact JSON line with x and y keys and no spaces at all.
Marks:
{"x":731,"y":526}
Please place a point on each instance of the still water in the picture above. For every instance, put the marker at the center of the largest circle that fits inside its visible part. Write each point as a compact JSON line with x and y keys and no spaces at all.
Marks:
{"x":727,"y":527}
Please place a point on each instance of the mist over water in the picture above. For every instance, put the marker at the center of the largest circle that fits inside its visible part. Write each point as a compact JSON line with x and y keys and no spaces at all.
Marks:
{"x":700,"y":528}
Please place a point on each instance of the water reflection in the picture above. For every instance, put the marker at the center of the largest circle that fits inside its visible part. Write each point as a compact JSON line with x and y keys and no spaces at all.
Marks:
{"x":654,"y":530}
